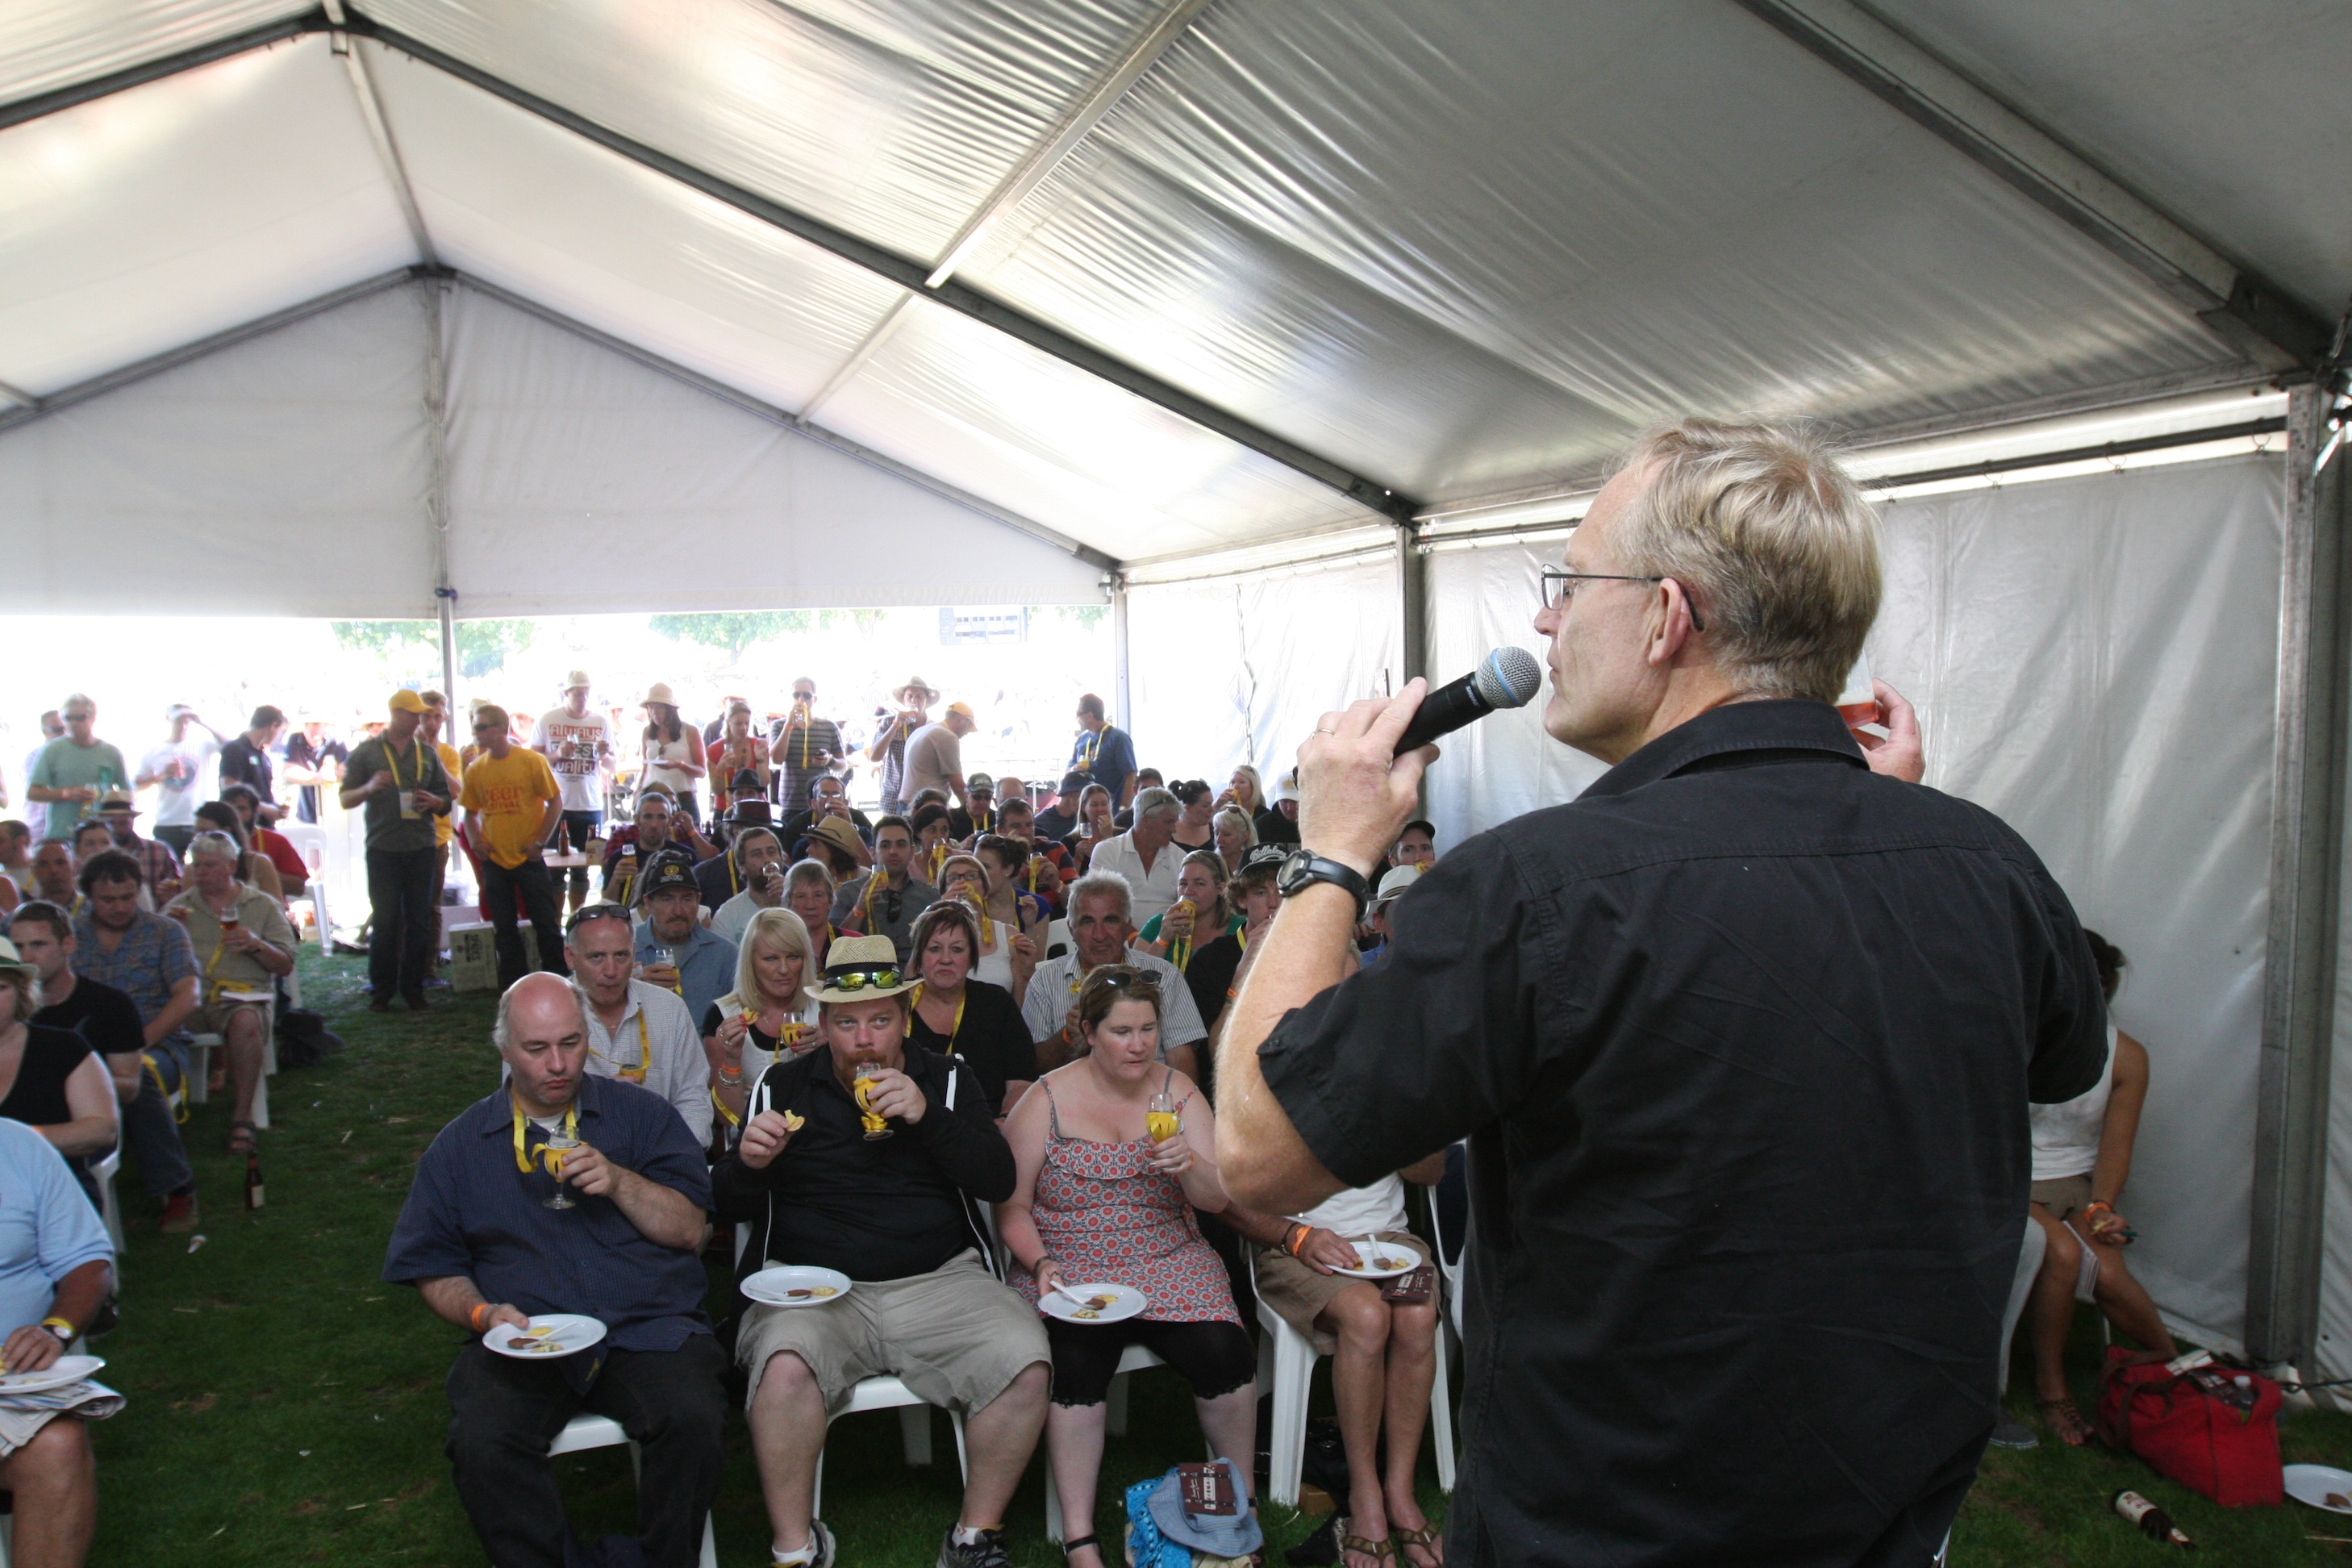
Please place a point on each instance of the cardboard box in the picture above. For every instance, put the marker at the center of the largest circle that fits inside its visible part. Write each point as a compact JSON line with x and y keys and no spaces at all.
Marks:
{"x":474,"y":956}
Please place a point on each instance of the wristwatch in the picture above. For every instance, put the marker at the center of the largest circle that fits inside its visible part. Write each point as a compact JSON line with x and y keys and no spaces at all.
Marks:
{"x":1304,"y":869}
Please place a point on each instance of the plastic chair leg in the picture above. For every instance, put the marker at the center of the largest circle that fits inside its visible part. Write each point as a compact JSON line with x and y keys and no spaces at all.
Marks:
{"x":1441,"y":1415}
{"x":1294,"y":1375}
{"x":915,"y":1433}
{"x":1114,"y":1406}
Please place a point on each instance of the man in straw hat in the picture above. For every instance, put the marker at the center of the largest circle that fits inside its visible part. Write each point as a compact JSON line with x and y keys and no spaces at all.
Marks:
{"x":578,"y":745}
{"x":864,"y":1156}
{"x":889,"y":747}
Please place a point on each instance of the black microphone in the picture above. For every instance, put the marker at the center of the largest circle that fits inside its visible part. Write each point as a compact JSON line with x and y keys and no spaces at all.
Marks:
{"x":1506,"y":677}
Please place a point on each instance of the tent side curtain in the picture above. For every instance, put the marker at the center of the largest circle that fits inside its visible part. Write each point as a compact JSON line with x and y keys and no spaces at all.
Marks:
{"x":1237,"y":670}
{"x":291,"y":474}
{"x":2094,"y":661}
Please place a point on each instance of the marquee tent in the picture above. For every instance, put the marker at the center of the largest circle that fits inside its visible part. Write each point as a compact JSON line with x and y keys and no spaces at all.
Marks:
{"x":1300,"y":330}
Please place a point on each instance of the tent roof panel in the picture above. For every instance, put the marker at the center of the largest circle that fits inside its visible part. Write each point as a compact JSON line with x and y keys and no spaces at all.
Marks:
{"x":2231,"y":118}
{"x":139,"y":222}
{"x":1653,"y":209}
{"x":533,"y":208}
{"x":49,"y":44}
{"x":1026,"y":431}
{"x":893,"y":121}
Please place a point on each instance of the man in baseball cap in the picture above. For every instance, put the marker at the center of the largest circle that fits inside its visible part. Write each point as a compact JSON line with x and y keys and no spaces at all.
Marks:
{"x":673,"y":948}
{"x":864,"y":1155}
{"x":399,"y":782}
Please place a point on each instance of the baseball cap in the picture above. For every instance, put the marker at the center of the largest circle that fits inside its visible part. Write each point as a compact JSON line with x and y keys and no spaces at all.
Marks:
{"x":405,"y":700}
{"x":1073,"y":782}
{"x":667,"y":872}
{"x":980,"y":781}
{"x":962,"y":709}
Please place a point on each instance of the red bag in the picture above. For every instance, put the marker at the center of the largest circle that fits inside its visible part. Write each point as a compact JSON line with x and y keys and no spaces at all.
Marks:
{"x":2212,"y":1429}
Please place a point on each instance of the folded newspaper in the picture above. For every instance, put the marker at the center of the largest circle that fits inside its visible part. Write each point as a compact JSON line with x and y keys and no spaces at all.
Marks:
{"x":21,"y":1415}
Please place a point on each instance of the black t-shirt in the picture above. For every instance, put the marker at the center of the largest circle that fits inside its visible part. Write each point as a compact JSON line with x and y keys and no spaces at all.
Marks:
{"x":37,"y":1098}
{"x":993,"y":1039}
{"x":1209,"y":976}
{"x":1273,"y":827}
{"x":242,"y":762}
{"x":1742,"y":1041}
{"x":106,"y":1020}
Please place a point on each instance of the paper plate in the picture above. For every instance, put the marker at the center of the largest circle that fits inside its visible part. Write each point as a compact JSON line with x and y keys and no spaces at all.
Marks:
{"x":1400,"y":1260}
{"x":1075,"y":1303}
{"x":2321,"y":1486}
{"x":70,"y":1369}
{"x":797,"y":1286}
{"x":549,"y":1338}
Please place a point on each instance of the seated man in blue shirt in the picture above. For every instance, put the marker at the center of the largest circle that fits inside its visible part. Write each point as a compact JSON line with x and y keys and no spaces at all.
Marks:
{"x":480,"y":1243}
{"x":675,"y":951}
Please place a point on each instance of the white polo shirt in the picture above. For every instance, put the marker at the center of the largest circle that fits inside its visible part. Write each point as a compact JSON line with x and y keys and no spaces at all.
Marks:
{"x":1055,"y":987}
{"x":1154,"y":891}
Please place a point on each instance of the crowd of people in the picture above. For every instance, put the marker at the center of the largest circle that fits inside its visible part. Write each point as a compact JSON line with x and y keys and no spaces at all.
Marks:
{"x":957,"y":1050}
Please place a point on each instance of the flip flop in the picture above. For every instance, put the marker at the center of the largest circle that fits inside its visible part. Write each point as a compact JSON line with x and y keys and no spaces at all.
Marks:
{"x":2066,"y":1423}
{"x":1382,"y":1551}
{"x":1430,"y":1538}
{"x":243,"y":1137}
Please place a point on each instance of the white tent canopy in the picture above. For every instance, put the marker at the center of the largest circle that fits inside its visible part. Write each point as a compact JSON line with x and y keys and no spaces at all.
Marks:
{"x":1282,"y":323}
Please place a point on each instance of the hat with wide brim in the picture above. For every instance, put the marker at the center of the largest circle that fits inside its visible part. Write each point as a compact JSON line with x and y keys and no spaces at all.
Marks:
{"x":659,"y":692}
{"x":1235,"y":1534}
{"x":13,"y":962}
{"x":1393,"y":885}
{"x":861,"y":969}
{"x":114,"y":801}
{"x":839,"y":833}
{"x":576,"y":680}
{"x":929,"y":692}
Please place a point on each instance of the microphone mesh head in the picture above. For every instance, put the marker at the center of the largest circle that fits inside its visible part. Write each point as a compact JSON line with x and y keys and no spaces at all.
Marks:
{"x":1508,"y":678}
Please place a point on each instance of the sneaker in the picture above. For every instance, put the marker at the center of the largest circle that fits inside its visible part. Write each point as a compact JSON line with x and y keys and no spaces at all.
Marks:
{"x":988,"y":1551}
{"x":2010,"y":1433}
{"x":819,"y":1537}
{"x":179,"y":1214}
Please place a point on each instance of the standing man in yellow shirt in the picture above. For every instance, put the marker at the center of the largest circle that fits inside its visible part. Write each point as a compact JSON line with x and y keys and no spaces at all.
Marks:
{"x":512,"y":804}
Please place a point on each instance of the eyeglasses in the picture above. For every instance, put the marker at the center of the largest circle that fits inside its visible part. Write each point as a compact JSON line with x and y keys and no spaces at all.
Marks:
{"x":859,"y":979}
{"x":603,"y":909}
{"x":1557,"y":588}
{"x":1127,"y":977}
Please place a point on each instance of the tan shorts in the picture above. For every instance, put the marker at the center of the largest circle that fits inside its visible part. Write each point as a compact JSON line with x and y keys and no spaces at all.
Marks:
{"x":955,"y":1336}
{"x":2064,"y":1196}
{"x":1300,"y":1293}
{"x":214,"y":1019}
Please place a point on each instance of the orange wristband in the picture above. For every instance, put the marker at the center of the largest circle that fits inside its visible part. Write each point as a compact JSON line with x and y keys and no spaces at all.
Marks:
{"x":474,"y":1318}
{"x":1298,"y":1234}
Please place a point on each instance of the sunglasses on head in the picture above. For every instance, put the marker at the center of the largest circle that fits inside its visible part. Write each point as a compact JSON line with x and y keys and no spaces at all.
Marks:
{"x":859,"y":979}
{"x":1128,"y":977}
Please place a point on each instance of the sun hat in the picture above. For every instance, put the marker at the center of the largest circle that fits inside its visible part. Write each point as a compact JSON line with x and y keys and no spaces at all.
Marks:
{"x":1235,"y":1534}
{"x":861,"y":969}
{"x":405,"y":700}
{"x":658,"y":692}
{"x":837,"y":832}
{"x":117,"y":799}
{"x":14,"y":962}
{"x":577,"y":680}
{"x":1393,"y":885}
{"x":917,"y":683}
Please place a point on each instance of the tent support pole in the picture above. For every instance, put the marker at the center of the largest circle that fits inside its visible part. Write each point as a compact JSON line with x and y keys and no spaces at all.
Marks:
{"x":2307,"y":864}
{"x":436,"y":500}
{"x":1120,"y":697}
{"x":1412,"y":602}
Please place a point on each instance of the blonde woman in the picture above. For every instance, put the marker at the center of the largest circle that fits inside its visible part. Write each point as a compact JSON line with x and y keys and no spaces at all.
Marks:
{"x":1244,"y":792}
{"x":808,"y":893}
{"x":1006,"y":956}
{"x":1234,"y":836}
{"x":767,"y":1016}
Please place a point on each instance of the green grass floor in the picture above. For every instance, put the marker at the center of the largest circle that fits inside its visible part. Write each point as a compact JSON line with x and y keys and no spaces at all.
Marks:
{"x":286,"y":1407}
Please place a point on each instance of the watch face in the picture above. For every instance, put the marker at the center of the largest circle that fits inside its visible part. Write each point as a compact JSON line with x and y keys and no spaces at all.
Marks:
{"x":1294,"y":872}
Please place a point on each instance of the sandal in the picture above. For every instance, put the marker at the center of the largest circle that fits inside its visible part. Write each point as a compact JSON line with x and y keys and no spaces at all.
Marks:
{"x":2066,"y":1423}
{"x":216,"y":1081}
{"x":1430,"y":1538}
{"x":1382,"y":1551}
{"x":243,"y":1137}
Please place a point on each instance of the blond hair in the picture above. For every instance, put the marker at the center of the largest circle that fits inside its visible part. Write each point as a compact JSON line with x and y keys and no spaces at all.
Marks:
{"x":778,"y":928}
{"x":1772,"y":539}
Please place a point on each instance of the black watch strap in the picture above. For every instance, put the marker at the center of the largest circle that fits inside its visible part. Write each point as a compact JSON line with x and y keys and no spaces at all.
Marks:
{"x":1304,"y":869}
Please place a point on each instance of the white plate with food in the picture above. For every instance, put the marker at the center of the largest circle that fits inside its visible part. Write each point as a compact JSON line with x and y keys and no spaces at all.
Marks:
{"x":545,"y":1338}
{"x":796,"y":1284}
{"x":2321,"y":1486}
{"x":1380,"y":1260}
{"x":66,"y":1369}
{"x":1101,"y":1303}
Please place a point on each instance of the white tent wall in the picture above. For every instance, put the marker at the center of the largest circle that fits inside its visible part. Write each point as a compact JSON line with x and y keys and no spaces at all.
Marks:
{"x":2095,"y":659}
{"x":286,"y":475}
{"x":290,"y":474}
{"x":1237,"y":670}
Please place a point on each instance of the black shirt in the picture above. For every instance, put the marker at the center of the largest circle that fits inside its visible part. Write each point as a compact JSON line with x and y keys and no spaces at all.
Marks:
{"x":107,"y":1020}
{"x":37,"y":1098}
{"x":1273,"y":827}
{"x":1742,"y":1041}
{"x":1054,"y":823}
{"x":1209,"y":976}
{"x":242,"y":762}
{"x":880,"y":1210}
{"x":993,"y":1039}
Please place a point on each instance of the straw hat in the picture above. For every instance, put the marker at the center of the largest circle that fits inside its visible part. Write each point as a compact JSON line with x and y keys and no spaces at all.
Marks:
{"x":837,"y":832}
{"x":13,"y":962}
{"x":861,"y":969}
{"x":576,"y":681}
{"x":929,"y":692}
{"x":1393,"y":885}
{"x":659,"y":692}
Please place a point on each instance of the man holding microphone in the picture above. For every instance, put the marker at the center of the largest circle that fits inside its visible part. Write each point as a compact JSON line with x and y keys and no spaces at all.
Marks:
{"x":1741,"y":1040}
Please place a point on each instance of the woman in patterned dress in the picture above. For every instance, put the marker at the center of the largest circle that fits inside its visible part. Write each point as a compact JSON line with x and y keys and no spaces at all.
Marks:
{"x":1100,"y":1201}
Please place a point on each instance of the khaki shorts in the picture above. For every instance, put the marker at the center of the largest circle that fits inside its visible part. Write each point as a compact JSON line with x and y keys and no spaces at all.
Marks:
{"x":955,"y":1336}
{"x":2064,"y":1196}
{"x":1300,"y":1293}
{"x":214,"y":1019}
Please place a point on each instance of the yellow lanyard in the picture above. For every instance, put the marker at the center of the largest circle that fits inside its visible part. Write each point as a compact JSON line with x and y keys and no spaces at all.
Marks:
{"x":392,"y":764}
{"x":874,"y":884}
{"x":1093,"y":747}
{"x":805,"y":740}
{"x":954,"y":1029}
{"x":938,"y":858}
{"x":522,"y":1155}
{"x":645,"y":1054}
{"x":1180,"y":953}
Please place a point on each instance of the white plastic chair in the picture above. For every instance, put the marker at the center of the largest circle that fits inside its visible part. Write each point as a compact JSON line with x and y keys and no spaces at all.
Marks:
{"x":582,"y":1433}
{"x":886,"y":1392}
{"x":1452,"y":1273}
{"x":1286,"y":1366}
{"x":2036,"y":1247}
{"x":102,"y":1171}
{"x":200,"y":1051}
{"x":310,"y":841}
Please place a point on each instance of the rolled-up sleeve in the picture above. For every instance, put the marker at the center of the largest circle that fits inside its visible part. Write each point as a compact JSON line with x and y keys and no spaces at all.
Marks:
{"x":428,"y":1241}
{"x":1434,"y":1042}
